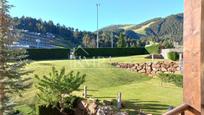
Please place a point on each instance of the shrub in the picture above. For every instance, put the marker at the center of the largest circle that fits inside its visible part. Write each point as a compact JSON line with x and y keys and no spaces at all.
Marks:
{"x":153,"y":48}
{"x":49,"y":110}
{"x":56,"y":89}
{"x":176,"y":79}
{"x":174,"y":56}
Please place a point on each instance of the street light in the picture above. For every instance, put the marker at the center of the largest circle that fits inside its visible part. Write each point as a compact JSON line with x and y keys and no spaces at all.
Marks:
{"x":38,"y":43}
{"x":97,"y":41}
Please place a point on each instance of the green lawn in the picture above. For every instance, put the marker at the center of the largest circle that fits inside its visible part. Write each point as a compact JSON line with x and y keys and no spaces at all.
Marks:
{"x":105,"y":81}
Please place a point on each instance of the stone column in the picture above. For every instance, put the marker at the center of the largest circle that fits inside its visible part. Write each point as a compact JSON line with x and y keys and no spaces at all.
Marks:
{"x":194,"y":54}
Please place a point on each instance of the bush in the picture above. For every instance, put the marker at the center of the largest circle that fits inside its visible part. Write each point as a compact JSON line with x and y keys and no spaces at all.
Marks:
{"x":106,"y":52}
{"x":174,"y":56}
{"x":176,"y":79}
{"x":49,"y":110}
{"x":48,"y":54}
{"x":55,"y":90}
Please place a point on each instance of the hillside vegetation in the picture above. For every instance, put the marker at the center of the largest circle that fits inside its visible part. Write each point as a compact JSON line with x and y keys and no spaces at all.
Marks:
{"x":158,"y":29}
{"x":65,"y":36}
{"x":137,"y":35}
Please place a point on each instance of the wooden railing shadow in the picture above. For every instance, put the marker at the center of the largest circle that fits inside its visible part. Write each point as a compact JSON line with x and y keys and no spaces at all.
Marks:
{"x":182,"y":109}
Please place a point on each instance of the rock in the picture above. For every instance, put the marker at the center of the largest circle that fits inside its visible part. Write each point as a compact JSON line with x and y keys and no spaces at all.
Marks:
{"x":150,"y":68}
{"x":142,"y":71}
{"x":81,"y":108}
{"x":121,"y":113}
{"x":107,"y":102}
{"x":82,"y":105}
{"x":105,"y":110}
{"x":92,"y":108}
{"x":178,"y":68}
{"x":163,"y":69}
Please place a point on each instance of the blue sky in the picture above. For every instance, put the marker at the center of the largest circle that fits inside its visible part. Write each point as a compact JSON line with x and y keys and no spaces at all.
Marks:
{"x":82,"y":13}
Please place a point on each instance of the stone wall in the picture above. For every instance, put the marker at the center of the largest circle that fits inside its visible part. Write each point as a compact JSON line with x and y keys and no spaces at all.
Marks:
{"x":150,"y":68}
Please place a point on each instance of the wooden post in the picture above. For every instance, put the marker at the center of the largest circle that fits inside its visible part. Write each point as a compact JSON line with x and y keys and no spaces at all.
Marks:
{"x":85,"y":92}
{"x":80,"y":58}
{"x":202,"y":57}
{"x":194,"y":55}
{"x":152,"y":57}
{"x":110,"y":58}
{"x":119,"y":102}
{"x":181,"y":62}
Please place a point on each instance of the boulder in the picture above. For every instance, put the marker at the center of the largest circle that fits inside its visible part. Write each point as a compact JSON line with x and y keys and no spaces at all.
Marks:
{"x":105,"y":110}
{"x":121,"y":113}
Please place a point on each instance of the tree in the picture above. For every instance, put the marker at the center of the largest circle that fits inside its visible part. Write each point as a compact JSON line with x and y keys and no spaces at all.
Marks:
{"x":153,"y":48}
{"x":167,"y":43}
{"x":121,"y":41}
{"x":55,"y":88}
{"x":86,"y":40}
{"x":11,"y":62}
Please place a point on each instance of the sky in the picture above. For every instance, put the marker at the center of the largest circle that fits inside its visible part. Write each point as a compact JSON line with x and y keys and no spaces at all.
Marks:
{"x":81,"y":14}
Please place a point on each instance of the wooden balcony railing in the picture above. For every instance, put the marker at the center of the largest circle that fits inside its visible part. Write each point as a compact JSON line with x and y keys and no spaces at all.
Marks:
{"x":180,"y":110}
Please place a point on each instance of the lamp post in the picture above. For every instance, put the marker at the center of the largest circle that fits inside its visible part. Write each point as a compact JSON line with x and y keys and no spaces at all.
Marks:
{"x":97,"y":41}
{"x":112,"y":35}
{"x":38,"y":43}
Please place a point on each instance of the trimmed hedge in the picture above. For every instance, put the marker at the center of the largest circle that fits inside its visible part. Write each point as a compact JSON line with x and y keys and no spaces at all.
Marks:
{"x":48,"y":54}
{"x":106,"y":52}
{"x":174,"y":56}
{"x":153,"y":48}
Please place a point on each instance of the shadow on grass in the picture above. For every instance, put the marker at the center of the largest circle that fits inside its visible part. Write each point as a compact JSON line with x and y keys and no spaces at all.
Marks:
{"x":107,"y":97}
{"x":89,"y":90}
{"x":152,"y":107}
{"x":46,"y":64}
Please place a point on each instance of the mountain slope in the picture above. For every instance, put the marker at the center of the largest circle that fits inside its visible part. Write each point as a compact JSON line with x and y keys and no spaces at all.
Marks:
{"x":158,"y":28}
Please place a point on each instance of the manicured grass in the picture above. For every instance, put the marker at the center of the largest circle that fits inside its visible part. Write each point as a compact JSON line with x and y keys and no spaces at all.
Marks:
{"x":105,"y":81}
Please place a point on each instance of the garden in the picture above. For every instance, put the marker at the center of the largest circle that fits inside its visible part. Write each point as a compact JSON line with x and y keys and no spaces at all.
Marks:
{"x":95,"y":81}
{"x":139,"y":92}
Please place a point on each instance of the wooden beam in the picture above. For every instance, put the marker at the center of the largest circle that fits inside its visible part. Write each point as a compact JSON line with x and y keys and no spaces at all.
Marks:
{"x":193,"y":54}
{"x":202,"y":57}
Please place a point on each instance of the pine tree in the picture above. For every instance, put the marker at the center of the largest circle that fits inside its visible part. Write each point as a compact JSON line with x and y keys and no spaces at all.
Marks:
{"x":57,"y":87}
{"x":121,"y":41}
{"x":11,"y":62}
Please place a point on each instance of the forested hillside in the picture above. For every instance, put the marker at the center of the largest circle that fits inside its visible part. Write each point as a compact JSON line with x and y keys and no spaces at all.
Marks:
{"x":166,"y":31}
{"x":169,"y":29}
{"x":67,"y":36}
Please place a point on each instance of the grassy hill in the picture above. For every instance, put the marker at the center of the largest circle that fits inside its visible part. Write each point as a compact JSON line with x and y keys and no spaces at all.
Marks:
{"x":105,"y":81}
{"x":159,"y":28}
{"x":142,"y":29}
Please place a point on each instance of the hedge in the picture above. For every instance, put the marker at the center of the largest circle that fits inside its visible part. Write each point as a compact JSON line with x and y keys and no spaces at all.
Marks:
{"x":48,"y":54}
{"x":174,"y":56}
{"x":106,"y":52}
{"x":154,"y":48}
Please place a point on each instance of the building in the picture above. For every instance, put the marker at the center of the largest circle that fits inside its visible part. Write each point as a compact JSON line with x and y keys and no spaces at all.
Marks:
{"x":35,"y":40}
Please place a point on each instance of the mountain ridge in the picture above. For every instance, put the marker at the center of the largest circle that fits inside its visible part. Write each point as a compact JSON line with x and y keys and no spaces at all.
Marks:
{"x":160,"y":28}
{"x":156,"y":29}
